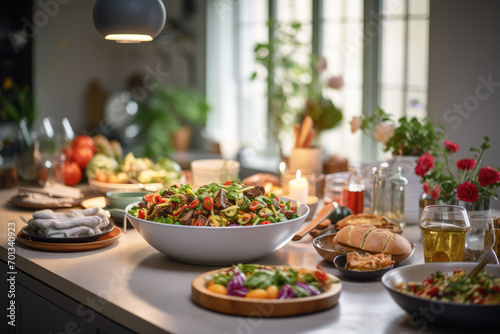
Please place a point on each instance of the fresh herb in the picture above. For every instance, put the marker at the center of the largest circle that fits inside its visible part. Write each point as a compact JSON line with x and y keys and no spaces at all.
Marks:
{"x":260,"y":280}
{"x":133,"y":211}
{"x":164,"y":220}
{"x":222,"y":278}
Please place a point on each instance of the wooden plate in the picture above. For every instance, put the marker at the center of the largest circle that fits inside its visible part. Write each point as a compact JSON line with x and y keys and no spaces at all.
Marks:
{"x":329,"y":249}
{"x":262,"y":307}
{"x":102,"y":241}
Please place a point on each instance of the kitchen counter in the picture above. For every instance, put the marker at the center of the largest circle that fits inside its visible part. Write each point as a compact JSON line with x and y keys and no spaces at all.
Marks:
{"x":139,"y":288}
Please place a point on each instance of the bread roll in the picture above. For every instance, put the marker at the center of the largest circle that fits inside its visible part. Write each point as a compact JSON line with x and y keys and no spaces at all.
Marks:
{"x":370,"y":239}
{"x":364,"y":218}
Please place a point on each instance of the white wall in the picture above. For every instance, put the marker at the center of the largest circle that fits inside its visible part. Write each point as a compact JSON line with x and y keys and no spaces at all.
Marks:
{"x":465,"y":47}
{"x":69,"y":53}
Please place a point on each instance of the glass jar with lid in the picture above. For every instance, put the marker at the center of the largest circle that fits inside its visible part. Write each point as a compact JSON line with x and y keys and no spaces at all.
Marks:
{"x":388,"y":192}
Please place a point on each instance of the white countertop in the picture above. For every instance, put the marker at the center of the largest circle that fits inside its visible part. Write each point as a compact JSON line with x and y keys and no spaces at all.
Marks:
{"x":135,"y":285}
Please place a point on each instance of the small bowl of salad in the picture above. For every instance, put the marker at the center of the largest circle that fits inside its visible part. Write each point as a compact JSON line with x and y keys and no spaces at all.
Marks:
{"x":216,"y":224}
{"x":443,"y":290}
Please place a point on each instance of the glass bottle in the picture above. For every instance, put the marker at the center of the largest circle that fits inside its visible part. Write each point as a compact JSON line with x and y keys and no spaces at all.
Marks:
{"x":353,"y":191}
{"x":424,"y":201}
{"x":388,"y":192}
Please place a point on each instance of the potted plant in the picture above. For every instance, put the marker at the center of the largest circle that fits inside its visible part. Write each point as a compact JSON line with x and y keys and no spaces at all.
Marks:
{"x":169,"y":117}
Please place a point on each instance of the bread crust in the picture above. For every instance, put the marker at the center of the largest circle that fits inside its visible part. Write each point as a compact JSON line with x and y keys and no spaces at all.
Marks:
{"x":364,"y":218}
{"x":369,"y":238}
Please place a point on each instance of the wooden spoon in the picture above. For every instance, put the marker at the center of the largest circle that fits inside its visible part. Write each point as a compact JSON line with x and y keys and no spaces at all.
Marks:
{"x":324,"y":213}
{"x":478,"y":268}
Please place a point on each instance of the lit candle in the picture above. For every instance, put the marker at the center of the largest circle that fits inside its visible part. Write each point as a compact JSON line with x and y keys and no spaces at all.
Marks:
{"x":298,"y":188}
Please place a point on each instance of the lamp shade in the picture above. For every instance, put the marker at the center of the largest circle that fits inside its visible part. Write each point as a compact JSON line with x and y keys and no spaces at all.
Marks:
{"x":129,"y":21}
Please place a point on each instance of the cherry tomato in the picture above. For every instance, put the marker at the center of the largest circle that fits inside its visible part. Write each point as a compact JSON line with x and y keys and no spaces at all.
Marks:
{"x":141,"y":214}
{"x":158,"y":199}
{"x":149,"y":197}
{"x":197,"y":223}
{"x":178,"y":212}
{"x":252,"y":215}
{"x":265,"y":222}
{"x":254,"y":205}
{"x":194,"y":204}
{"x":277,"y":198}
{"x":70,"y":174}
{"x":320,"y":274}
{"x":208,"y":203}
{"x":227,"y":183}
{"x":294,"y":209}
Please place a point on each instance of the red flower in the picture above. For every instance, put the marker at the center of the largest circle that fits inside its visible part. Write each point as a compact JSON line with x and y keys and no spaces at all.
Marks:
{"x":424,"y":164}
{"x":467,"y":192}
{"x":425,"y":184}
{"x":436,"y":192}
{"x":466,"y":164}
{"x":488,"y":176}
{"x":450,"y":146}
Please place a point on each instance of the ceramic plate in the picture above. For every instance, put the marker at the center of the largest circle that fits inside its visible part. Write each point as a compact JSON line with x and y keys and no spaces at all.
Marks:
{"x":340,"y":262}
{"x":32,"y":235}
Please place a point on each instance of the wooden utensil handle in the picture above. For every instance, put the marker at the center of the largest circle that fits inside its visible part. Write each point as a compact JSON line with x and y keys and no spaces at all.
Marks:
{"x":324,"y":213}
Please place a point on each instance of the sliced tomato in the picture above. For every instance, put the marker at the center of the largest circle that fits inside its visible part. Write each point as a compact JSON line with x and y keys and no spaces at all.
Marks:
{"x":227,"y":183}
{"x":320,"y":274}
{"x":265,"y":222}
{"x":197,"y":223}
{"x":432,"y":291}
{"x":149,"y":197}
{"x":426,"y":282}
{"x":194,"y":204}
{"x":158,"y":199}
{"x":208,"y":203}
{"x":141,"y":214}
{"x":178,"y":212}
{"x":254,"y":205}
{"x":277,"y":198}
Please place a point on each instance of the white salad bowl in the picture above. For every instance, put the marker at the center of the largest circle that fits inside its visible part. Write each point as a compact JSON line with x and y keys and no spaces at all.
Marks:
{"x":218,"y":245}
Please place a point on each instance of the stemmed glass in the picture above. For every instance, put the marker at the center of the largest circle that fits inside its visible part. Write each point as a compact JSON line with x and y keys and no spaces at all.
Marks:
{"x":52,"y":136}
{"x":444,"y":229}
{"x":480,"y":240}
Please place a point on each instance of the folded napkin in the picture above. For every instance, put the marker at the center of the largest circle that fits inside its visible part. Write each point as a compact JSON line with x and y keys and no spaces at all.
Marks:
{"x":45,"y":199}
{"x":72,"y":223}
{"x":55,"y":190}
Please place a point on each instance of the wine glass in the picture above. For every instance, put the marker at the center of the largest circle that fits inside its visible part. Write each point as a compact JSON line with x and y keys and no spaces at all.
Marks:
{"x":52,"y":136}
{"x":444,"y":229}
{"x":480,"y":239}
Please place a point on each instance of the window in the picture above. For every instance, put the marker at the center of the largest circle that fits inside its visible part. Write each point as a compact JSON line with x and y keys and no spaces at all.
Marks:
{"x":395,"y":76}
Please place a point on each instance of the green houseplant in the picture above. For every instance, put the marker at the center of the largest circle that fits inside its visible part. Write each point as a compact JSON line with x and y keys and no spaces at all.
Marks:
{"x":295,"y":86}
{"x":169,"y":109}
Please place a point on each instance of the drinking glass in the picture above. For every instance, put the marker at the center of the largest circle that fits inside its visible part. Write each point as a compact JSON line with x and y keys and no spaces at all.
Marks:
{"x":52,"y":136}
{"x":444,"y":229}
{"x":480,"y":239}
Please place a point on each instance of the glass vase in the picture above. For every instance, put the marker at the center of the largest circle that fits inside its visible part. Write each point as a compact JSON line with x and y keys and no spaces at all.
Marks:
{"x":480,"y":207}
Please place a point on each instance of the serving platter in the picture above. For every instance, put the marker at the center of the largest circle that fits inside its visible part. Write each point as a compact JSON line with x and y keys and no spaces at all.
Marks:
{"x":442,"y":312}
{"x":104,"y":187}
{"x":32,"y":235}
{"x":262,"y":307}
{"x":362,"y":275}
{"x":328,"y":247}
{"x":102,"y":241}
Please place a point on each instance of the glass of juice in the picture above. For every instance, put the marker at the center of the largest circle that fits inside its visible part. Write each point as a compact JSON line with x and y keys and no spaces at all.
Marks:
{"x":444,"y":229}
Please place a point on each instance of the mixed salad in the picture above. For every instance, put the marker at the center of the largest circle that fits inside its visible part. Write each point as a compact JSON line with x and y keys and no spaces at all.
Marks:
{"x":230,"y":204}
{"x":266,"y":282}
{"x":481,"y":289}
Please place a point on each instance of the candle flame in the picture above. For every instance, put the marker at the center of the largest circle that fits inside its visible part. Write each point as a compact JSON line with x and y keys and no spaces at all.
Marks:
{"x":282,"y":167}
{"x":298,"y":175}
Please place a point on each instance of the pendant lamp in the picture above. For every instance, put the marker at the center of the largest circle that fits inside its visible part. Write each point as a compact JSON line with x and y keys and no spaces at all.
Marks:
{"x":129,"y":21}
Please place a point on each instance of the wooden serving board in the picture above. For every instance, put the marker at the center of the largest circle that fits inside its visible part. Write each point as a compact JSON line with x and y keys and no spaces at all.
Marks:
{"x":103,"y":241}
{"x":262,"y":307}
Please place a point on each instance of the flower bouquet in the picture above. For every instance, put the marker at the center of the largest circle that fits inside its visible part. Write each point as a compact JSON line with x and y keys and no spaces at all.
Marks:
{"x":464,"y":179}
